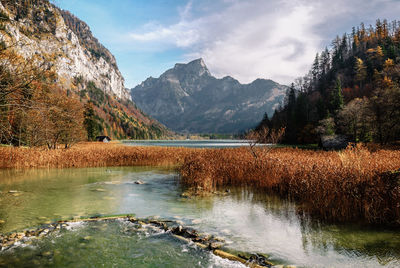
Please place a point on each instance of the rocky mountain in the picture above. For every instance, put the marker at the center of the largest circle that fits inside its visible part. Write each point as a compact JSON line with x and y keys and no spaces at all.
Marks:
{"x":187,"y":98}
{"x":40,"y":31}
{"x":59,"y":42}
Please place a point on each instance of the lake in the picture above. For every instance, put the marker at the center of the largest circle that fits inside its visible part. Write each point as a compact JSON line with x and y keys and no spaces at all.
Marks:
{"x":189,"y":143}
{"x":247,"y":220}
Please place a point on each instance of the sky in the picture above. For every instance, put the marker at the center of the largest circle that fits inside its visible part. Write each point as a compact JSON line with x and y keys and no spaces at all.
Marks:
{"x":271,"y":39}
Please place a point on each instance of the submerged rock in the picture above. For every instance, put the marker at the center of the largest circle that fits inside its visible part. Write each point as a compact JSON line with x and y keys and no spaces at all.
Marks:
{"x":139,"y":182}
{"x":13,"y":192}
{"x":185,"y":195}
{"x":188,"y":235}
{"x":215,"y":245}
{"x":196,"y":221}
{"x":99,"y":190}
{"x":47,"y":253}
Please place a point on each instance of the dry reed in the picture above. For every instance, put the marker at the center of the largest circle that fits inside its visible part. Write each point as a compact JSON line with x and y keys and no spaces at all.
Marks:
{"x":91,"y":155}
{"x":355,"y":184}
{"x":351,"y":185}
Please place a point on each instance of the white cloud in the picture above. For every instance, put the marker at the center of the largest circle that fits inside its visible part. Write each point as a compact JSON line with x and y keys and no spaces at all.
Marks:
{"x":253,"y":39}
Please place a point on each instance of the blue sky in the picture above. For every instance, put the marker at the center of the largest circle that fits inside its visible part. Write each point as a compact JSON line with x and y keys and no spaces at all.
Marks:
{"x":275,"y":39}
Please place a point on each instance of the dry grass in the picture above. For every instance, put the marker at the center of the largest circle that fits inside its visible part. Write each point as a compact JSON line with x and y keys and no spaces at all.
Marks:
{"x":352,"y":185}
{"x":355,"y":184}
{"x":91,"y":155}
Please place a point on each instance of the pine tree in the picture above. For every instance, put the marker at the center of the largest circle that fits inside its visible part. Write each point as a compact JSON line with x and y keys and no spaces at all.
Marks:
{"x":336,"y":99}
{"x":90,"y":121}
{"x":265,"y":122}
{"x":315,"y":69}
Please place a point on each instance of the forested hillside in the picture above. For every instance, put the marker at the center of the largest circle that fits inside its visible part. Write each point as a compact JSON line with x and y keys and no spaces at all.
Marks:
{"x":58,"y":84}
{"x":352,"y":89}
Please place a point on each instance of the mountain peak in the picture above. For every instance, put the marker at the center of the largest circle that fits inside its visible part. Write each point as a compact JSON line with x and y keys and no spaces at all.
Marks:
{"x":199,"y":62}
{"x":187,"y":98}
{"x":196,"y":66}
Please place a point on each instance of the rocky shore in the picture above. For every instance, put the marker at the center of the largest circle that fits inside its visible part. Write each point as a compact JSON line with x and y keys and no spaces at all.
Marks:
{"x":185,"y":234}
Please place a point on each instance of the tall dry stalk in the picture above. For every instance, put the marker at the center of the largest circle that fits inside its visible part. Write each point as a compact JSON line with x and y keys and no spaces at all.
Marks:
{"x":354,"y":185}
{"x":260,"y":141}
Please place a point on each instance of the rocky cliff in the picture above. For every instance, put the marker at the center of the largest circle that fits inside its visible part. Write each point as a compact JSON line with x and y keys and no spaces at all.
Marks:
{"x":187,"y":98}
{"x":59,"y":43}
{"x":42,"y":32}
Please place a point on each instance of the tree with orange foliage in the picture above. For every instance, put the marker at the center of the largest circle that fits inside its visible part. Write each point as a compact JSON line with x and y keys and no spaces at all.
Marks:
{"x":33,"y":111}
{"x":16,"y":78}
{"x":58,"y":119}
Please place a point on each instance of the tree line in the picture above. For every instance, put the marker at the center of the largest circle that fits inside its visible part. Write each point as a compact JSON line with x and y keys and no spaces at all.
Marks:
{"x":352,"y":88}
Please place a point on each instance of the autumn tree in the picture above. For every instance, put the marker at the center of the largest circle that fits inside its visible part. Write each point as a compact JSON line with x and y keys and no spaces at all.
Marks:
{"x":56,"y":119}
{"x":33,"y":110}
{"x":353,"y":120}
{"x":361,"y":71}
{"x":16,"y":77}
{"x":384,"y":111}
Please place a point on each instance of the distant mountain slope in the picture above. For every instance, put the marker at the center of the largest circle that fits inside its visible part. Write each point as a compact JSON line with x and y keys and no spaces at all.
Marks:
{"x":59,"y":42}
{"x":187,"y":98}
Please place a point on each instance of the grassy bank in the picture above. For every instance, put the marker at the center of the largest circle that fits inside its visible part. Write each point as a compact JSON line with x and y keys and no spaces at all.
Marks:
{"x":355,"y":184}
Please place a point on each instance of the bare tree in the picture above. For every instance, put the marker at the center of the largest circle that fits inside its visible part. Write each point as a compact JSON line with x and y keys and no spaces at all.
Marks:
{"x":260,"y":141}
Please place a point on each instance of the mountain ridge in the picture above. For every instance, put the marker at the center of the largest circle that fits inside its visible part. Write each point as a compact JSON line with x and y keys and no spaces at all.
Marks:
{"x":187,"y":98}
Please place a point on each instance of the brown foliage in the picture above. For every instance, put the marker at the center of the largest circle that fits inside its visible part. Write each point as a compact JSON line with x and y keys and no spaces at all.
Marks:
{"x":352,"y":185}
{"x":57,"y":119}
{"x":91,"y":155}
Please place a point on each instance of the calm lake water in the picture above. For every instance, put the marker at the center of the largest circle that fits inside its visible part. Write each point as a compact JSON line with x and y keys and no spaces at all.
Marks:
{"x":189,"y":143}
{"x":248,"y":221}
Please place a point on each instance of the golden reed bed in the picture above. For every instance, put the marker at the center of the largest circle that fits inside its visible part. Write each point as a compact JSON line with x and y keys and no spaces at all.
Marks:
{"x":91,"y":155}
{"x":357,"y":184}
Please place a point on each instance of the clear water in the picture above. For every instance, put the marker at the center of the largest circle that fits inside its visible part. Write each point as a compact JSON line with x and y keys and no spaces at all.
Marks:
{"x":248,"y":221}
{"x":111,"y":244}
{"x":190,"y":143}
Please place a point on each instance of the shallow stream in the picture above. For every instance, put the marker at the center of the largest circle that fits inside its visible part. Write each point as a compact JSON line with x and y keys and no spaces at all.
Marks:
{"x":248,"y":221}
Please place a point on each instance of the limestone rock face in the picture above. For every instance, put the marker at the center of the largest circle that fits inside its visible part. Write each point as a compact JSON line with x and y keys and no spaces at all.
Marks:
{"x":187,"y":98}
{"x":41,"y":32}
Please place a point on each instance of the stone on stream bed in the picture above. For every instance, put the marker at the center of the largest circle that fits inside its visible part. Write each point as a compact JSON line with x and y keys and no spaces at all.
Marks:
{"x":14,"y":192}
{"x":99,"y":190}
